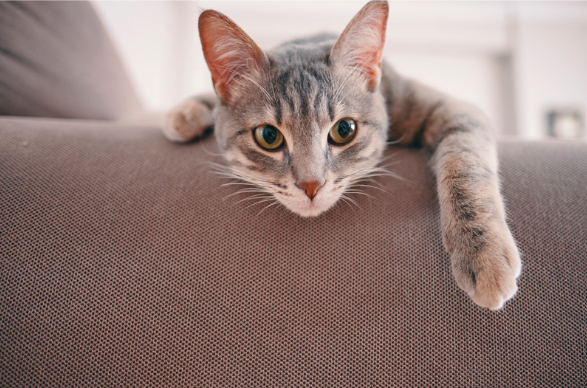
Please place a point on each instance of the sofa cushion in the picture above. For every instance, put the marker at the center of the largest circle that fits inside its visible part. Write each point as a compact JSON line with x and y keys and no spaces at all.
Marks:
{"x":125,"y":262}
{"x":56,"y":60}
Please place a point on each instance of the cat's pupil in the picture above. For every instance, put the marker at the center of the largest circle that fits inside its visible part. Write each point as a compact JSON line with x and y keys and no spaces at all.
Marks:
{"x":344,"y":129}
{"x":270,"y":134}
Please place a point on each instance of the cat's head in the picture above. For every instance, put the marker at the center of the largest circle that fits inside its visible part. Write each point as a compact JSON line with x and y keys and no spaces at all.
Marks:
{"x":303,"y":122}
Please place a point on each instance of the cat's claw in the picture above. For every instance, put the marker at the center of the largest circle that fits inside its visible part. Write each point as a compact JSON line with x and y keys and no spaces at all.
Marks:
{"x":490,"y":278}
{"x":187,"y":121}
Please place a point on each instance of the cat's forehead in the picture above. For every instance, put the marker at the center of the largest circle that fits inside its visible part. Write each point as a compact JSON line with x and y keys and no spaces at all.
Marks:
{"x":299,"y":92}
{"x":302,"y":93}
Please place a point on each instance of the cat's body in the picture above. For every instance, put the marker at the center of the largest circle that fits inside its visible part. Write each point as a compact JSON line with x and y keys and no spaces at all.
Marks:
{"x":307,"y":120}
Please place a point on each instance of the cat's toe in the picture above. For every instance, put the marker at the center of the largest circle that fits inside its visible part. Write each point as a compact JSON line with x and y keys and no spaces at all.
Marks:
{"x":492,"y":290}
{"x":490,"y":278}
{"x":187,"y":121}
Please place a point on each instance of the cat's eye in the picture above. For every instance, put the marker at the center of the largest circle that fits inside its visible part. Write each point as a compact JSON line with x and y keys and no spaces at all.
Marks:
{"x":343,"y":131}
{"x":268,"y":137}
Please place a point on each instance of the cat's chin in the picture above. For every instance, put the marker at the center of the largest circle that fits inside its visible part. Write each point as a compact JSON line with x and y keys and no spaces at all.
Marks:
{"x":310,"y":212}
{"x":313,"y":209}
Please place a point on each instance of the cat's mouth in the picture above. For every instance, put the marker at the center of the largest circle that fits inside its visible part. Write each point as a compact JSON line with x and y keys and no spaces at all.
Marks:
{"x":310,"y":208}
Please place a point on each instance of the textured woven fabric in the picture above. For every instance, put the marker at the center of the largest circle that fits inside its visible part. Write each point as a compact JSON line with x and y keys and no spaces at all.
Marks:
{"x":56,"y":60}
{"x":124,"y":262}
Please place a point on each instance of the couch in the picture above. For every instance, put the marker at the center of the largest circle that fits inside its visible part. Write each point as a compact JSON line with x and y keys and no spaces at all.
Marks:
{"x":125,"y":260}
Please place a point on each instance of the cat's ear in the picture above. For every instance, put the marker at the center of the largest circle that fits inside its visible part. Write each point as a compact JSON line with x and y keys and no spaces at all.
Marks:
{"x":231,"y":55}
{"x":361,"y":44}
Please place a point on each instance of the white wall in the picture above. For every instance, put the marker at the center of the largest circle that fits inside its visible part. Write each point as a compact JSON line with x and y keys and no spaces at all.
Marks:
{"x":153,"y":38}
{"x":550,"y":62}
{"x":514,"y":60}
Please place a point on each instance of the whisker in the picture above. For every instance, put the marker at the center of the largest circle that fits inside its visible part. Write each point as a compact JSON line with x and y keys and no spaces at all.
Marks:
{"x":267,"y":207}
{"x":351,"y":200}
{"x":252,"y":197}
{"x":389,"y":174}
{"x":243,"y":192}
{"x":225,"y":174}
{"x":258,"y":202}
{"x":387,"y":158}
{"x":382,"y":171}
{"x":343,"y":84}
{"x":235,"y":73}
{"x":364,"y":185}
{"x":359,"y":192}
{"x":393,"y":175}
{"x":345,"y":199}
{"x":218,"y":166}
{"x":208,"y":152}
{"x":393,"y":142}
{"x":376,"y":183}
{"x":237,"y":183}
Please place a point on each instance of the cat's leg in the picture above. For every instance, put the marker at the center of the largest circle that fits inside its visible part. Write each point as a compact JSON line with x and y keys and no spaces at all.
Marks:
{"x":190,"y":119}
{"x":484,"y":257}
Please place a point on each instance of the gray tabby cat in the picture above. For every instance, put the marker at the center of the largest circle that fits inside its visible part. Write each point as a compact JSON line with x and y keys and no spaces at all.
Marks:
{"x":310,"y":118}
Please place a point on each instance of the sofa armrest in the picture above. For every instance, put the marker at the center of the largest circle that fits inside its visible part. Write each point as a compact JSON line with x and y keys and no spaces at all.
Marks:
{"x":124,"y":261}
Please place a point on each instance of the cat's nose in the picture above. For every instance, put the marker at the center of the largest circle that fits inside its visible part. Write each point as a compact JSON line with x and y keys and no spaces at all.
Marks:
{"x":310,"y":187}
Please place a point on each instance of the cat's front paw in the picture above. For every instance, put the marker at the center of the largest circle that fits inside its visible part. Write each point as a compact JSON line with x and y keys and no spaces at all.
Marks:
{"x":187,"y":121}
{"x":486,"y":267}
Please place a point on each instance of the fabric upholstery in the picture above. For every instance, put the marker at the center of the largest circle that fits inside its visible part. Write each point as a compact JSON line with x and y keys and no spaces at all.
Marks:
{"x":125,"y":262}
{"x":56,"y":60}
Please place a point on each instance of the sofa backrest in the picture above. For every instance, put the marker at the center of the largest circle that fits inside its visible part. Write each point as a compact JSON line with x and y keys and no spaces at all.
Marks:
{"x":57,"y":60}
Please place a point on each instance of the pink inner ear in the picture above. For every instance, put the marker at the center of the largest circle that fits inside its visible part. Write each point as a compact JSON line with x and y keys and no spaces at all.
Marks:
{"x":361,"y":43}
{"x":228,"y":50}
{"x":371,"y":67}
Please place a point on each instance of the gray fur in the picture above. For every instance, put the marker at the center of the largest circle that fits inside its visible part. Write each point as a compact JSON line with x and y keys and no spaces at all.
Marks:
{"x":305,"y":86}
{"x":300,"y":91}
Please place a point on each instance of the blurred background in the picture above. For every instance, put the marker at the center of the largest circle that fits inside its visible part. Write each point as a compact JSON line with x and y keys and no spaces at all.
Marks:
{"x":524,"y":63}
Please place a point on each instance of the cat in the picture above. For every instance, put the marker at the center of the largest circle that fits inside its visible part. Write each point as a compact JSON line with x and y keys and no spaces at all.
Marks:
{"x":308,"y":119}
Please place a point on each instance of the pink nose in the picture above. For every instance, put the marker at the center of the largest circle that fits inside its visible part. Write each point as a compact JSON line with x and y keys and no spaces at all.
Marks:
{"x":310,"y":187}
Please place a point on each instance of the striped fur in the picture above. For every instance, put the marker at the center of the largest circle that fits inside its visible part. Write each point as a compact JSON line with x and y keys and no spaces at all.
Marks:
{"x":304,"y":87}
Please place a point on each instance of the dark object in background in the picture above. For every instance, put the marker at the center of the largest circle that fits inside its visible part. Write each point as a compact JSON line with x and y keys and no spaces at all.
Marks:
{"x":565,"y":123}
